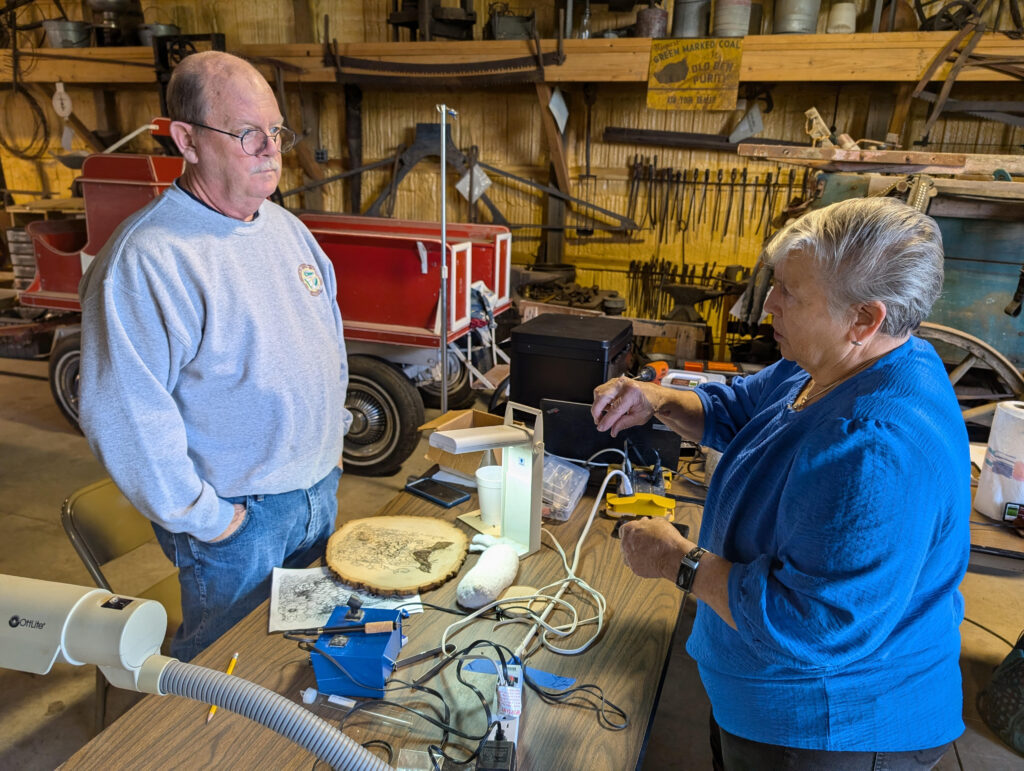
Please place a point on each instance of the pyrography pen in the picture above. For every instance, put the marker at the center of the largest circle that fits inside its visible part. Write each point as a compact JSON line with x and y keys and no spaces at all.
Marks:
{"x":343,"y":703}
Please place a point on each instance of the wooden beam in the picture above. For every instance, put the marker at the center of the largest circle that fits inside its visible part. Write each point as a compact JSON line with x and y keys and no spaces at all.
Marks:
{"x":900,"y":113}
{"x":984,"y":189}
{"x":556,"y":150}
{"x":886,"y":161}
{"x":839,"y":155}
{"x":885,"y":57}
{"x":303,"y":21}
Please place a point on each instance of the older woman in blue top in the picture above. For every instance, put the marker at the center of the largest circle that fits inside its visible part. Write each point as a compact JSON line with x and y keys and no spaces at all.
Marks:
{"x":835,"y":533}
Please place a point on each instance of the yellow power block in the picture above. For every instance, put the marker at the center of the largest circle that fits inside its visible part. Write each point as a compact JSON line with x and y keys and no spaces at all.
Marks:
{"x":641,"y":505}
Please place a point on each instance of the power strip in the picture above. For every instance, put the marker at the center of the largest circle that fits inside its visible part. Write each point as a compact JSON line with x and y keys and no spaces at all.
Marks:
{"x":508,"y":703}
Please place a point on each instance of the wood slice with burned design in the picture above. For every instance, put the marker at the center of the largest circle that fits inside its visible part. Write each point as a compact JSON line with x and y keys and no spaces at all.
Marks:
{"x":397,"y":555}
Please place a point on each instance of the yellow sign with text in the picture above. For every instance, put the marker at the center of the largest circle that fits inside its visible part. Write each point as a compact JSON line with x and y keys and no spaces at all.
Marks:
{"x":694,"y":74}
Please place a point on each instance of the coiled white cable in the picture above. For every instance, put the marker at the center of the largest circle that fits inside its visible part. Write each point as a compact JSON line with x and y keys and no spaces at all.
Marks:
{"x":539,"y":622}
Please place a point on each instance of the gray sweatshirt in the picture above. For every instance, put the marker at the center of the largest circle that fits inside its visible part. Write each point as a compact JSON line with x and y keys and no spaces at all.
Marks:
{"x":213,"y":362}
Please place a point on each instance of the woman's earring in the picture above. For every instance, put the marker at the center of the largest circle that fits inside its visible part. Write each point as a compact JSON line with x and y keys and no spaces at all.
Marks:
{"x":856,"y":342}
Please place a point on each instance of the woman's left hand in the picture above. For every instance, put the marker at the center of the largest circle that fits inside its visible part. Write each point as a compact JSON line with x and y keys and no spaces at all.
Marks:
{"x":652,"y":548}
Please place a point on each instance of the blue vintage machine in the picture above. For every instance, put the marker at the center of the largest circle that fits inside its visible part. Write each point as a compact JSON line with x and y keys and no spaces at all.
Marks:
{"x":358,"y":659}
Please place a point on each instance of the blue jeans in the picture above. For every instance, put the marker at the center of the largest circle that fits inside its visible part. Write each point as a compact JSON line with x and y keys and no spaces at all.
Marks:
{"x":733,"y":753}
{"x":222,"y":582}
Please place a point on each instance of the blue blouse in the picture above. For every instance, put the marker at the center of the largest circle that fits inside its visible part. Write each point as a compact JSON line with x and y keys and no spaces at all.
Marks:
{"x":847,"y":522}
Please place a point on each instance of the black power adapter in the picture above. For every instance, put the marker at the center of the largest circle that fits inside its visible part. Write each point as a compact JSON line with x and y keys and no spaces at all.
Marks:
{"x":496,"y":755}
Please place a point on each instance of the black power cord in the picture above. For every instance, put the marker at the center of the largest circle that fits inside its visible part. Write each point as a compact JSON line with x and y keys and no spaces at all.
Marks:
{"x":497,"y":751}
{"x":39,"y":142}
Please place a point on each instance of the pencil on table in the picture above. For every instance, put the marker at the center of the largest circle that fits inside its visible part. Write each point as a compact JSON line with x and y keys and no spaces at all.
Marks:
{"x":229,"y":670}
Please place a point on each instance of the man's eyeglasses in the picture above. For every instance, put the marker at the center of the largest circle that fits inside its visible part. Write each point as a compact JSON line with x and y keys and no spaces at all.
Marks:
{"x":254,"y":141}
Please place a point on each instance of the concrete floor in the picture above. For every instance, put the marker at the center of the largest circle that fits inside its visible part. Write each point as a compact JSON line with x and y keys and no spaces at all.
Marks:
{"x":44,"y":719}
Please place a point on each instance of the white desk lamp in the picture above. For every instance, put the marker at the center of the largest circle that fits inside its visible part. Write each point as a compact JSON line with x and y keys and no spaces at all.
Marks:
{"x":522,"y":470}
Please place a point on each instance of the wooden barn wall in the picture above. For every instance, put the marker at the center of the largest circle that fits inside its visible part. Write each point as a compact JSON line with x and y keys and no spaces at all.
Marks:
{"x":503,"y":123}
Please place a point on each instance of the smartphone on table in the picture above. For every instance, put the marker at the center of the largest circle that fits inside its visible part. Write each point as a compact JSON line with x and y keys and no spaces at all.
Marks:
{"x":437,"y":492}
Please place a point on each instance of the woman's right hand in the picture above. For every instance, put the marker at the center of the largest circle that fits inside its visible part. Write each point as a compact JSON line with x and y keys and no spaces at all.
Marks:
{"x":622,"y":403}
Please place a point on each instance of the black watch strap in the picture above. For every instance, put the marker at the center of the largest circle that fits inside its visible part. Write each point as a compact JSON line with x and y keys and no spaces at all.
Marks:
{"x":688,"y":568}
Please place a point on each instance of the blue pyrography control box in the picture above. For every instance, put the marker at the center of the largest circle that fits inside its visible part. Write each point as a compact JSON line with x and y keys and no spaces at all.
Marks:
{"x":364,"y":661}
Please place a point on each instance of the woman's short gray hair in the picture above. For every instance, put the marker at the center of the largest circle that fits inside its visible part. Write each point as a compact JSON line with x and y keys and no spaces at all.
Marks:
{"x":870,"y":249}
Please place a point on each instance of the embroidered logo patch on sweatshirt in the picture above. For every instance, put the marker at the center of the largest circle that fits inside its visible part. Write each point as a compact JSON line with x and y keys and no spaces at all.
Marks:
{"x":311,"y":279}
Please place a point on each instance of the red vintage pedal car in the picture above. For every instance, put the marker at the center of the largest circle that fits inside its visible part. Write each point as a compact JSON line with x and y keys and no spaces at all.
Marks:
{"x":389,"y":299}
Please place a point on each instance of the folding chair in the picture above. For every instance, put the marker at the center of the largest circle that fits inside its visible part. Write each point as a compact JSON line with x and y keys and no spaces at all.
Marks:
{"x":102,"y":526}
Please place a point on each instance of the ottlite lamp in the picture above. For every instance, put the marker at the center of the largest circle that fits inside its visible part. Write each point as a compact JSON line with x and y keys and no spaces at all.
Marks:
{"x":522,"y":470}
{"x":46,"y":622}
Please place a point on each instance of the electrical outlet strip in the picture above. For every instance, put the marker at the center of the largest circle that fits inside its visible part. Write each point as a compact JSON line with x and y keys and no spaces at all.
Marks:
{"x":508,"y":703}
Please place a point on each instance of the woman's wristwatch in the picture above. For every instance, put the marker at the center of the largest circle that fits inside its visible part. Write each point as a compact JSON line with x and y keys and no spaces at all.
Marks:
{"x":688,"y":568}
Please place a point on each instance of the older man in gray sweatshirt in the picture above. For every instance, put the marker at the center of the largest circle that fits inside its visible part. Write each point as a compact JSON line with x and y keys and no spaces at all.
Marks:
{"x":213,"y":362}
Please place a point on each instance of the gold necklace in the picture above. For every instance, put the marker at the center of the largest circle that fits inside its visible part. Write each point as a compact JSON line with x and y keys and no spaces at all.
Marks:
{"x":806,"y":398}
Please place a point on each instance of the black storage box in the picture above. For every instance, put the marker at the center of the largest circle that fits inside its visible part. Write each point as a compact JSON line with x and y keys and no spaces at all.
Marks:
{"x":556,"y":356}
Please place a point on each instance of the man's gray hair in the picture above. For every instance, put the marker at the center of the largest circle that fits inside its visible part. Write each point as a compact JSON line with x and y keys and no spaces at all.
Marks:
{"x":185,"y":98}
{"x":870,"y":249}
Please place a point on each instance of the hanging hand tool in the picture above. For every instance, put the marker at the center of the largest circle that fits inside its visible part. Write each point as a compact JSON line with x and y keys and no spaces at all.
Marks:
{"x":670,"y":215}
{"x":634,"y":187}
{"x":666,"y":199}
{"x":644,"y":171}
{"x":693,"y":197}
{"x":764,"y":201}
{"x":660,"y":202}
{"x":656,"y":203}
{"x":718,"y":200}
{"x":703,"y":196}
{"x":728,"y":204}
{"x":741,"y":213}
{"x":649,"y":211}
{"x":752,"y":214}
{"x":681,"y":199}
{"x":674,"y":215}
{"x":789,"y":187}
{"x":772,"y":192}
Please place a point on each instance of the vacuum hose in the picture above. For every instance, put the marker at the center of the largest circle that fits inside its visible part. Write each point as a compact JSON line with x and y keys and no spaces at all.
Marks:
{"x":271,"y":710}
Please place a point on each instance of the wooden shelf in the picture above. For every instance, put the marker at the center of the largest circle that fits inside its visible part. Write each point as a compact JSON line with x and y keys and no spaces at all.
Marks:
{"x":884,"y":57}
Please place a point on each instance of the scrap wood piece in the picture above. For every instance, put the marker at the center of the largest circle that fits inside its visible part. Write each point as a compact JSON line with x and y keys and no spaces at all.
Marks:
{"x":832,"y":157}
{"x":397,"y":556}
{"x":888,"y":161}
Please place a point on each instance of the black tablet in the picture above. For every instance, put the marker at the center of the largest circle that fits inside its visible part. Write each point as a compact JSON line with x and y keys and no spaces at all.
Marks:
{"x":437,"y":492}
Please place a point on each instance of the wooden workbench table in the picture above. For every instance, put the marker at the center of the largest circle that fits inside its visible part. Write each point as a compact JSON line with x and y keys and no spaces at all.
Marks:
{"x":628,"y":663}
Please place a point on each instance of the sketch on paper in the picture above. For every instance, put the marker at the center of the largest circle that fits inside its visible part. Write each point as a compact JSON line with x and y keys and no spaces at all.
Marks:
{"x":304,"y":599}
